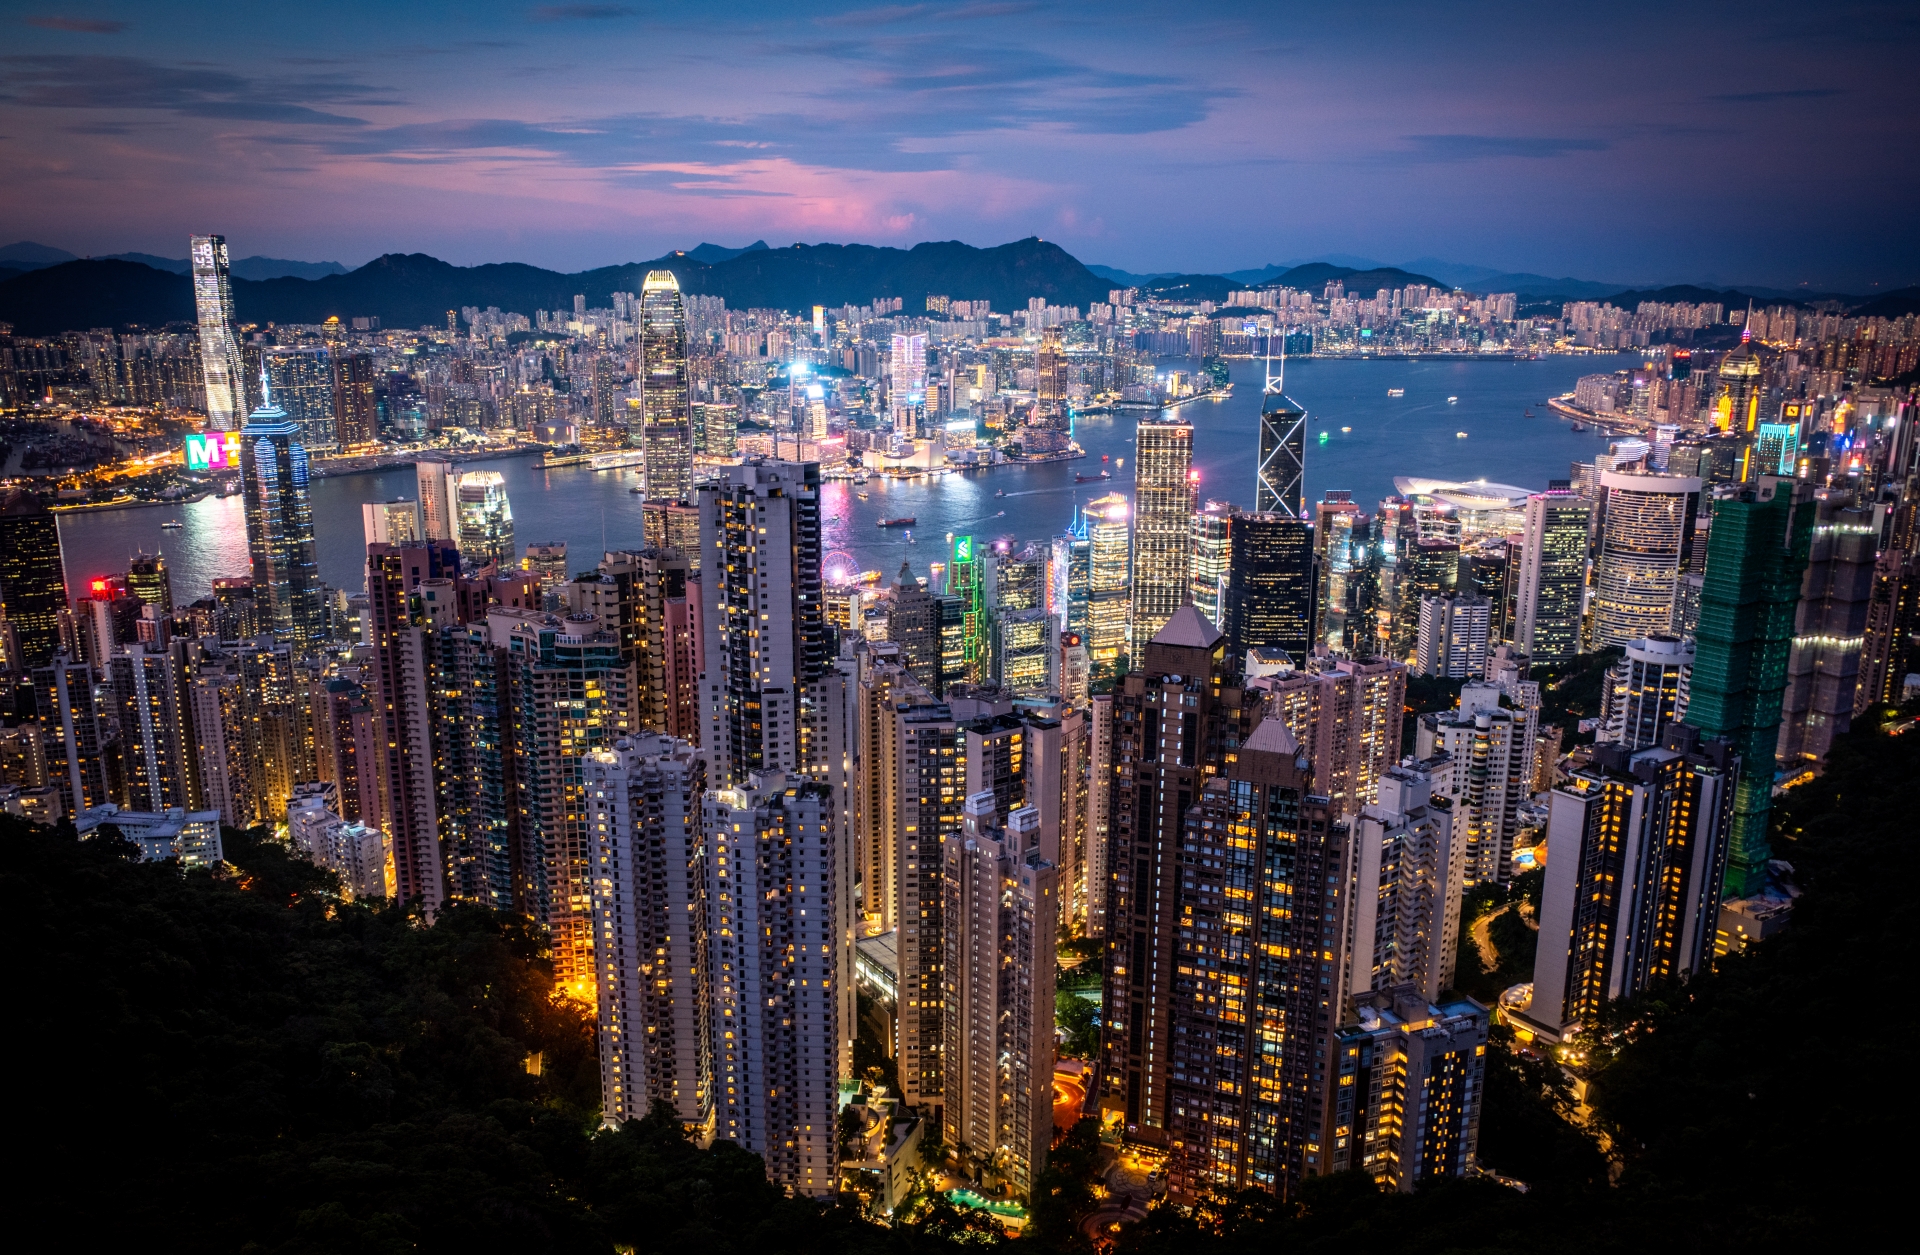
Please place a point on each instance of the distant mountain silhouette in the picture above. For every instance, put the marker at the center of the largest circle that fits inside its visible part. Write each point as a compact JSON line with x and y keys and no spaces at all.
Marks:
{"x":413,"y":289}
{"x":244,"y":268}
{"x":1317,"y":274}
{"x":714,"y":253}
{"x":26,"y":255}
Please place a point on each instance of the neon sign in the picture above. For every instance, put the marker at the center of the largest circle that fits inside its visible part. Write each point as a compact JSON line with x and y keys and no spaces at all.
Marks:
{"x":213,"y":451}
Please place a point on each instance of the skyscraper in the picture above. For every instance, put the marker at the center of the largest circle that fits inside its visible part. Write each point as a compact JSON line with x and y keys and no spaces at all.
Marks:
{"x":645,"y":795}
{"x":220,"y":362}
{"x":1270,"y":586}
{"x":303,"y":386}
{"x":1646,"y":538}
{"x":1001,"y":916}
{"x":1281,"y":483}
{"x":1347,"y":716}
{"x":1247,"y":956}
{"x":1109,"y":584}
{"x":1552,"y":579}
{"x":664,"y":402}
{"x":1453,"y":637}
{"x":768,"y":645}
{"x":147,"y":579}
{"x":439,"y":492}
{"x":1756,"y":556}
{"x":356,"y":420}
{"x":279,"y":513}
{"x":779,"y":912}
{"x":390,"y":522}
{"x":1069,"y":575}
{"x":1482,"y":755}
{"x":1829,"y":630}
{"x":966,"y":586}
{"x":1050,"y":378}
{"x":1162,"y":523}
{"x":33,"y":581}
{"x":907,"y":385}
{"x":1406,"y":1084}
{"x":1645,"y":693}
{"x":1409,"y":867}
{"x":1212,"y":555}
{"x":1633,"y":888}
{"x":484,"y":518}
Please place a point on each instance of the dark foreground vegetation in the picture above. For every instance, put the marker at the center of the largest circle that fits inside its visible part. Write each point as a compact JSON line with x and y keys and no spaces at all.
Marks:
{"x":244,"y":1063}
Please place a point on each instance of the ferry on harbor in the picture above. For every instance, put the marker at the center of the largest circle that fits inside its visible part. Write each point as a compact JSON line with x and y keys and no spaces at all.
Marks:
{"x":905,"y":521}
{"x":1396,"y":392}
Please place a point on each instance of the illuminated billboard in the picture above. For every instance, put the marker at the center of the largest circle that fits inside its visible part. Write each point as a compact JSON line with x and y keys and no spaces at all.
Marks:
{"x":213,"y":451}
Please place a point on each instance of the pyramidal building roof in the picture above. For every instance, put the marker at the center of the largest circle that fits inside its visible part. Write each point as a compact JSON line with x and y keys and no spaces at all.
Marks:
{"x":1272,"y":736}
{"x":1188,"y":629}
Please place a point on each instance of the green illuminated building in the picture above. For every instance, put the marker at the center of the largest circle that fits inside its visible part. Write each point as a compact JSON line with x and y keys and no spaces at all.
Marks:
{"x":1756,"y":554}
{"x":964,"y":583}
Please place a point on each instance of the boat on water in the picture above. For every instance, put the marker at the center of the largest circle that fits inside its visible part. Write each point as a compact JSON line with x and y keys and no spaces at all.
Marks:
{"x":1079,"y":478}
{"x":1103,"y":457}
{"x":1345,"y":430}
{"x":172,"y":525}
{"x":904,"y":521}
{"x":862,"y":496}
{"x":1459,"y":435}
{"x":1453,"y":400}
{"x":638,"y":492}
{"x":1579,"y":426}
{"x":1396,"y":392}
{"x":1526,"y":413}
{"x":999,"y":492}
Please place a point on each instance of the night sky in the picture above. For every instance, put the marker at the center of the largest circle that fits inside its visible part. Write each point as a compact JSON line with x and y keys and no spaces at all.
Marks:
{"x":1764,"y":143}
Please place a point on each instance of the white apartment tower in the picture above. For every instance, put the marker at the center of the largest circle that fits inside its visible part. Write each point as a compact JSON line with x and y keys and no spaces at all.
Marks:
{"x":780,"y":974}
{"x":1486,"y":752}
{"x":1408,"y":867}
{"x":1001,"y":918}
{"x":644,"y":799}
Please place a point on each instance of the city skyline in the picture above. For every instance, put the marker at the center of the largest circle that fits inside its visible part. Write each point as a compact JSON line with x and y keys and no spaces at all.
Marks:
{"x":512,"y":134}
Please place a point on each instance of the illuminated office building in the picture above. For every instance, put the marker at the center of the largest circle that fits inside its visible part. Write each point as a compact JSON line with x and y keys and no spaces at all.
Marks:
{"x":913,"y":623}
{"x":356,"y":416}
{"x":303,"y":386}
{"x":1829,"y":630}
{"x":907,"y":383}
{"x":390,"y":522}
{"x":1269,"y":586}
{"x":156,"y":733}
{"x":220,"y":362}
{"x":1212,"y":556}
{"x":1280,"y":485}
{"x":966,"y":586}
{"x":279,"y":513}
{"x":1162,"y":523}
{"x":1552,"y":582}
{"x":1453,"y":637}
{"x":1634,"y":885}
{"x":148,"y":581}
{"x":1757,"y":555}
{"x":773,"y":701}
{"x":485,"y":521}
{"x":439,"y":492}
{"x":1069,"y":575}
{"x":33,"y":581}
{"x":1109,"y":584}
{"x":666,"y":420}
{"x":1646,"y":539}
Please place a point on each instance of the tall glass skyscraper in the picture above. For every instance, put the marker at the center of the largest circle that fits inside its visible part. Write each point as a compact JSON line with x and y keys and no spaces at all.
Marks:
{"x":485,"y":520}
{"x":1645,"y":542}
{"x":1108,"y":584}
{"x":1757,"y":553}
{"x":1269,"y":586}
{"x":665,"y":414}
{"x":1162,"y":524}
{"x":33,"y":581}
{"x":1281,"y":486}
{"x":303,"y":387}
{"x":279,"y":511}
{"x":1552,"y":578}
{"x":220,"y":358}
